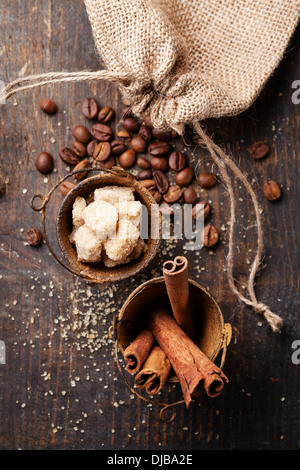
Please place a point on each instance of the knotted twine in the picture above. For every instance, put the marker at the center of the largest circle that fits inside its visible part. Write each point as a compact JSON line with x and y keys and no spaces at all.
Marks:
{"x":183,"y":61}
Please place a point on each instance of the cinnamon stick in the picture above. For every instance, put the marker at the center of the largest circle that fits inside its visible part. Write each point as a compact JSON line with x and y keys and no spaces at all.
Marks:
{"x":154,"y":372}
{"x":137,"y":352}
{"x":194,"y":370}
{"x":177,"y":283}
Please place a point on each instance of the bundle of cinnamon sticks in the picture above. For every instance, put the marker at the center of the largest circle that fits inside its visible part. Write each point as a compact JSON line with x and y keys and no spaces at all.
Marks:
{"x":167,"y":342}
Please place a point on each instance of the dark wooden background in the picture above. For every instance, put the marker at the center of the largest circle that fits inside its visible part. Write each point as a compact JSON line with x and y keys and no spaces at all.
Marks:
{"x":56,"y":391}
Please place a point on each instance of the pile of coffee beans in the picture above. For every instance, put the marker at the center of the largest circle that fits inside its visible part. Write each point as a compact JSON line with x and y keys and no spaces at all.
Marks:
{"x":151,"y":154}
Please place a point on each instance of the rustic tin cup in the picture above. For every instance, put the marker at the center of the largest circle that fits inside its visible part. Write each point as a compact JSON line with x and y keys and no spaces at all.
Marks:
{"x":98,"y":272}
{"x":212,"y":334}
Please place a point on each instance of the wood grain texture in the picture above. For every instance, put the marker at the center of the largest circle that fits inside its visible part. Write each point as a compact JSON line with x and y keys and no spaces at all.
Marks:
{"x":60,"y":387}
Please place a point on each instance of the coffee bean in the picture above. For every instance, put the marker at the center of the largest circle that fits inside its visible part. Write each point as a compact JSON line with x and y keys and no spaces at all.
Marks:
{"x":106,"y":115}
{"x":159,"y":149}
{"x":138,"y":144}
{"x":166,"y":208}
{"x":127,"y":159}
{"x":161,"y":181}
{"x":184,"y":177}
{"x":202,"y":209}
{"x":161,"y":135}
{"x":123,"y":135}
{"x":156,"y":195}
{"x":44,"y":163}
{"x":173,"y":195}
{"x":131,"y":124}
{"x":272,"y":190}
{"x":90,"y":108}
{"x":117,"y":147}
{"x":33,"y":237}
{"x":210,"y":236}
{"x":81,"y":133}
{"x":108,"y":164}
{"x":65,"y":187}
{"x":144,"y":175}
{"x":79,"y":149}
{"x":206,"y":180}
{"x":102,"y":151}
{"x":189,"y":196}
{"x":48,"y":106}
{"x":143,"y":163}
{"x":145,"y":133}
{"x":159,"y":163}
{"x":176,"y":161}
{"x":259,"y":150}
{"x":101,"y":132}
{"x":68,"y":156}
{"x":91,"y":147}
{"x":147,"y":121}
{"x":149,"y":184}
{"x":126,"y":111}
{"x":81,"y":166}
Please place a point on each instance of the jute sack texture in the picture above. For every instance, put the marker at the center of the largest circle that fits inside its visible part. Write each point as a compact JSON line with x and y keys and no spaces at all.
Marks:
{"x":190,"y":60}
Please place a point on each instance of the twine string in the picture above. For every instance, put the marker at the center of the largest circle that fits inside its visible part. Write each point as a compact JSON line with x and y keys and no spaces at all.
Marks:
{"x":160,"y":107}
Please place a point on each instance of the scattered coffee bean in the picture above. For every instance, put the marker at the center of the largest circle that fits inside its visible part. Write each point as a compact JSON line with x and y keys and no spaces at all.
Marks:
{"x":106,"y":115}
{"x":126,"y":111}
{"x":81,"y":166}
{"x":144,"y":175}
{"x":159,"y":149}
{"x":66,"y":186}
{"x":102,"y":151}
{"x":79,"y":149}
{"x":131,"y":124}
{"x":91,"y":147}
{"x":272,"y":190}
{"x":138,"y":144}
{"x":33,"y":237}
{"x":48,"y":106}
{"x":117,"y":147}
{"x":90,"y":108}
{"x":147,"y":121}
{"x":210,"y":236}
{"x":176,"y":161}
{"x":173,"y":195}
{"x":156,"y":195}
{"x":159,"y":163}
{"x":127,"y":159}
{"x":143,"y":163}
{"x":101,"y":132}
{"x":161,"y":135}
{"x":166,"y":208}
{"x":189,"y":196}
{"x":202,"y":209}
{"x":161,"y":181}
{"x":149,"y":184}
{"x":108,"y":164}
{"x":68,"y":156}
{"x":206,"y":180}
{"x":184,"y":177}
{"x":81,"y":133}
{"x":123,"y":135}
{"x":259,"y":150}
{"x":145,"y":133}
{"x":44,"y":163}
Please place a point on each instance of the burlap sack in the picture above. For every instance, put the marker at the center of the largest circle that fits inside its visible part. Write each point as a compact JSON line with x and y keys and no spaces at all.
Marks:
{"x":192,"y":59}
